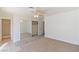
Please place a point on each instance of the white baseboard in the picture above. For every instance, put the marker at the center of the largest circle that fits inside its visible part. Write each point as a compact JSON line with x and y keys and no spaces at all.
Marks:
{"x":68,"y":39}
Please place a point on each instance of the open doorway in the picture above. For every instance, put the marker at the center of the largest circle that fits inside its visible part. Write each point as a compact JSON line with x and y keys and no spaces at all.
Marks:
{"x":34,"y":28}
{"x":6,"y":30}
{"x":37,"y":28}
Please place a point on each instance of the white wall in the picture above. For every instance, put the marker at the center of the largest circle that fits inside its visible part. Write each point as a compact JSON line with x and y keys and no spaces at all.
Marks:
{"x":23,"y":26}
{"x":15,"y":26}
{"x":63,"y":26}
{"x":29,"y":26}
{"x":40,"y":26}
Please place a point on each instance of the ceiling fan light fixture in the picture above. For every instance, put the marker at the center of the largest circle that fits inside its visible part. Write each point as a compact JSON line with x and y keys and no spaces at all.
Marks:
{"x":36,"y":16}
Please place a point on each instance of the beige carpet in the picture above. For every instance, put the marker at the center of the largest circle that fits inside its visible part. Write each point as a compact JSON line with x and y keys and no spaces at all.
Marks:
{"x":39,"y":44}
{"x":49,"y":45}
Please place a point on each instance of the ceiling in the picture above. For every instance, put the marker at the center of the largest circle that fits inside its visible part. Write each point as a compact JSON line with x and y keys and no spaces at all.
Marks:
{"x":29,"y":11}
{"x":55,"y":10}
{"x":17,"y":10}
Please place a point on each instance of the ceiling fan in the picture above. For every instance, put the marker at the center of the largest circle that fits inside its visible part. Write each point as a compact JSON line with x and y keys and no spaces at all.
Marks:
{"x":37,"y":12}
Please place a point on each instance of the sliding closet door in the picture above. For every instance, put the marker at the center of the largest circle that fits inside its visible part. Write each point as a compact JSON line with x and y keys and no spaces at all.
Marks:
{"x":6,"y":29}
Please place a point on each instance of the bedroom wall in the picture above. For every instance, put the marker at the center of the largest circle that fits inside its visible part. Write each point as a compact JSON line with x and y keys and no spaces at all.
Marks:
{"x":63,"y":26}
{"x":40,"y":25}
{"x":29,"y":26}
{"x":15,"y":25}
{"x":26,"y":24}
{"x":23,"y":25}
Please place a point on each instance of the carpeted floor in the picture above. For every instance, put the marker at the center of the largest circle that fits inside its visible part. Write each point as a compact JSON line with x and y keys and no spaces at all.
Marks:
{"x":38,"y":44}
